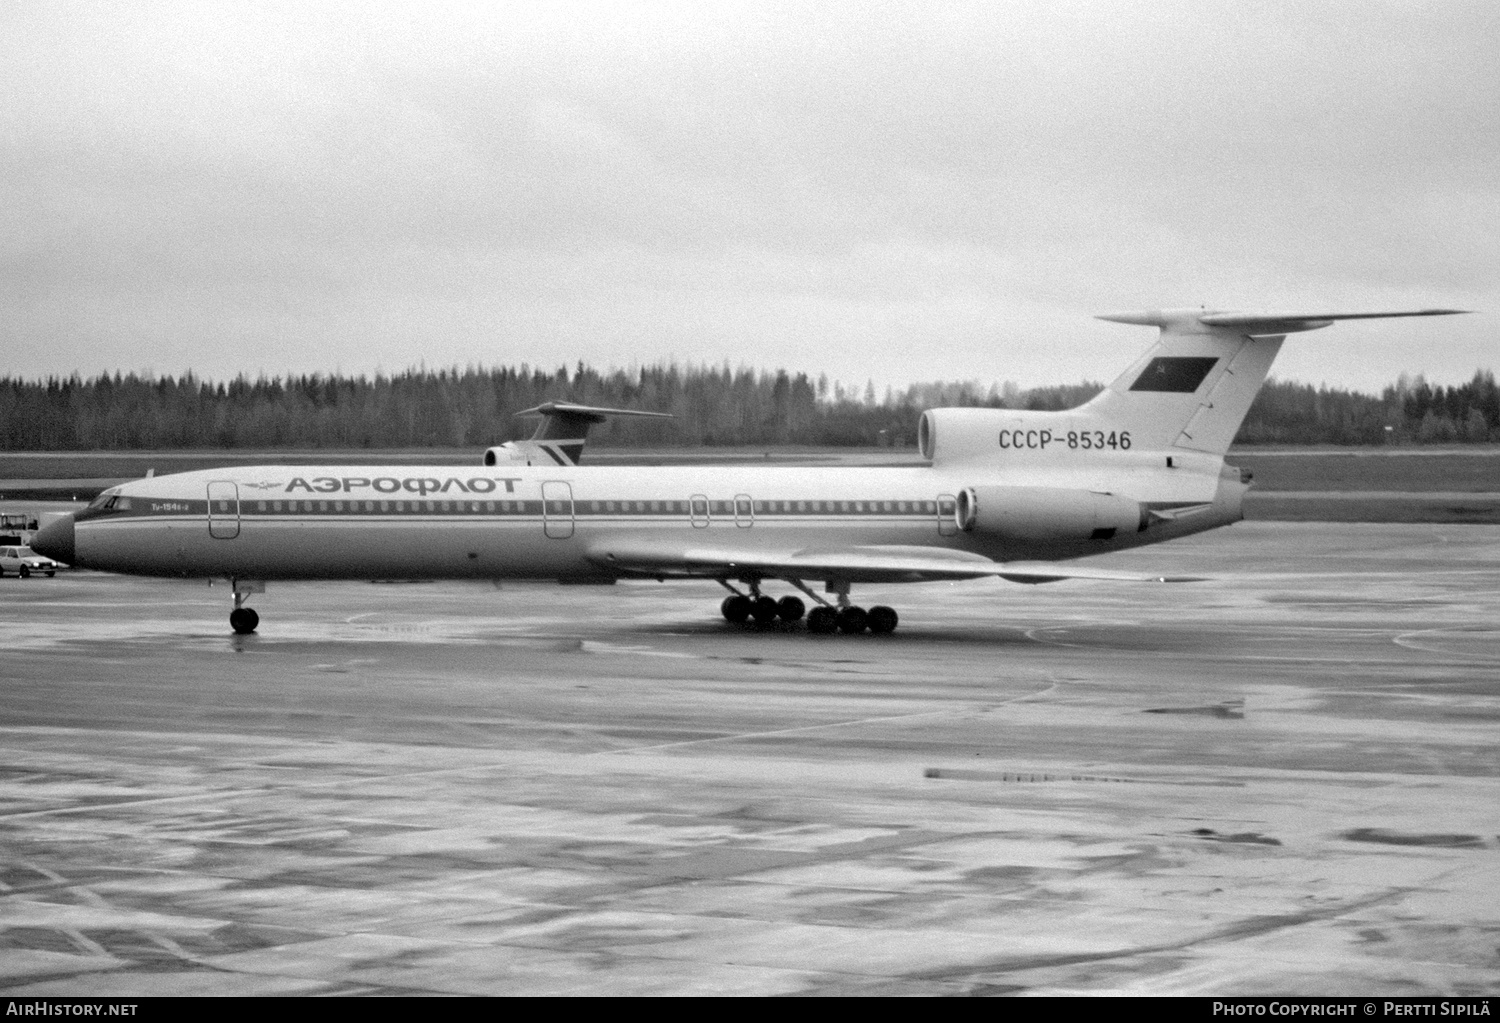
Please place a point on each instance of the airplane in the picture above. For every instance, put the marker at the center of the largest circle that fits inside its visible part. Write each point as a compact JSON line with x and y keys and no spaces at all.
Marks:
{"x":1008,"y":493}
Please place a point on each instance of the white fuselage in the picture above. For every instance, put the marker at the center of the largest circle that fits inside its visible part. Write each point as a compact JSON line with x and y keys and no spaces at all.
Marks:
{"x":435,"y":522}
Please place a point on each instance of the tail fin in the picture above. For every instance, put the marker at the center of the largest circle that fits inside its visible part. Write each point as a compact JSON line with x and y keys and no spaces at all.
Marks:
{"x":560,"y":436}
{"x":1194,"y":387}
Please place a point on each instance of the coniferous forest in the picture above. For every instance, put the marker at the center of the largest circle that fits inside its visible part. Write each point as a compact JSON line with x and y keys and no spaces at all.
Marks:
{"x":713,"y":406}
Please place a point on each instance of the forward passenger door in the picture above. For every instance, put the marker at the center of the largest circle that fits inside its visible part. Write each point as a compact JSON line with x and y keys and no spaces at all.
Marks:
{"x":223,"y":509}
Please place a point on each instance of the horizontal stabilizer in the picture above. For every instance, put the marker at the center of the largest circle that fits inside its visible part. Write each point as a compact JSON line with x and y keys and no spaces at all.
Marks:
{"x":1291,"y":323}
{"x":1256,"y":324}
{"x":588,"y":413}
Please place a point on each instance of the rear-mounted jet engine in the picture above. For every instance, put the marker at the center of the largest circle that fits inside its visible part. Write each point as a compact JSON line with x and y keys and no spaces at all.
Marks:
{"x":1047,"y":513}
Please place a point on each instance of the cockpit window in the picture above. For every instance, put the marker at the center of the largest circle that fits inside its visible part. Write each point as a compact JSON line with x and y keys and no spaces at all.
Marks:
{"x":105,"y":501}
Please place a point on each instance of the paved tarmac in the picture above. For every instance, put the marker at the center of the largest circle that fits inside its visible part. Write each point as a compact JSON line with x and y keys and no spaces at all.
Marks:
{"x":1284,"y":780}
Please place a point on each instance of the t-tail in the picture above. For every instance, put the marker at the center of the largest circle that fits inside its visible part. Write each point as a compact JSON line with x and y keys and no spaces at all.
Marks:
{"x":1144,"y":459}
{"x":1192,"y":390}
{"x":560,"y":436}
{"x":1187,"y":395}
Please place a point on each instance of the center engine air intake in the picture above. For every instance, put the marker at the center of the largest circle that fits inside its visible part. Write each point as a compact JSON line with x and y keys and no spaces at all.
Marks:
{"x":1047,"y":513}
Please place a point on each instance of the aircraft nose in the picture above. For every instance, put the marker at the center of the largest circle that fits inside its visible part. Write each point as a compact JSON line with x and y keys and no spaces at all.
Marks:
{"x":55,"y":540}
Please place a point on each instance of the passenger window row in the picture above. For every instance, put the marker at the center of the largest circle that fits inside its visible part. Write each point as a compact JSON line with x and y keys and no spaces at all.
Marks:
{"x":743,"y":507}
{"x":697,"y":507}
{"x":398,"y":507}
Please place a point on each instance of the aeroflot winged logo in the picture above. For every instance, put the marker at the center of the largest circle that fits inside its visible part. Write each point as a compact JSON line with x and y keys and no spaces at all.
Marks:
{"x":407,"y":484}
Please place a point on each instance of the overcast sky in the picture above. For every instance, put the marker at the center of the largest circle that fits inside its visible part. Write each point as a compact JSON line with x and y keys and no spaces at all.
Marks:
{"x":900,"y":191}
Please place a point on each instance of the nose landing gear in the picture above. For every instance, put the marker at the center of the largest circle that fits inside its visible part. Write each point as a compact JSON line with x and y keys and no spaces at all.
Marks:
{"x":243,"y":620}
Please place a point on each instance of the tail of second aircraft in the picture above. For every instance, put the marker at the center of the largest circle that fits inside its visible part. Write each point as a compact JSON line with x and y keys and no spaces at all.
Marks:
{"x":560,"y":436}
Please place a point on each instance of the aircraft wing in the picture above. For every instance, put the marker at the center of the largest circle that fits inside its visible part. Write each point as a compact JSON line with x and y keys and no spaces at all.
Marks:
{"x":663,"y":558}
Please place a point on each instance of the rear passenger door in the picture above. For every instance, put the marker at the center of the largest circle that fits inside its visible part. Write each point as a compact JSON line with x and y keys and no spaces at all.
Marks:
{"x":557,"y":509}
{"x":947,"y":510}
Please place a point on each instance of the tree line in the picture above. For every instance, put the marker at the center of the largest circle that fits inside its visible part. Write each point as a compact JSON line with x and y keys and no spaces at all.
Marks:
{"x":712,"y":405}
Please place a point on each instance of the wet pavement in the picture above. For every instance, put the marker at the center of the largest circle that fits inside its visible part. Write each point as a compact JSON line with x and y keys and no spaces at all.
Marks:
{"x":1283,"y":780}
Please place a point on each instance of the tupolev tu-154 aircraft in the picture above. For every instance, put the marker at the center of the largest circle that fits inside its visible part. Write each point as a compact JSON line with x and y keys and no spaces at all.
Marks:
{"x":1015,"y":494}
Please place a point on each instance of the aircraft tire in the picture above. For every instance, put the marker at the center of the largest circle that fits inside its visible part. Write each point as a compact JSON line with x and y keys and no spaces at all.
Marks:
{"x":764,"y":610}
{"x":822,"y":620}
{"x":852,"y":621}
{"x":735,"y":608}
{"x":790,"y":609}
{"x":243,"y":620}
{"x":883,"y":619}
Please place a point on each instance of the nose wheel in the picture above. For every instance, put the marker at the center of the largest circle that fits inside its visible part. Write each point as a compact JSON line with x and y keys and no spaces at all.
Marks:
{"x":243,"y":620}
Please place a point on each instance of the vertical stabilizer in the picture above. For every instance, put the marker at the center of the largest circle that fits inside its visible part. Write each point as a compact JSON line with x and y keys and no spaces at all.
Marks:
{"x":1196,"y":384}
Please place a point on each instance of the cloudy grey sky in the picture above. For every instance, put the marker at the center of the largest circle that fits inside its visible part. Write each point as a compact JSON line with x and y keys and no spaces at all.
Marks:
{"x":897,"y":191}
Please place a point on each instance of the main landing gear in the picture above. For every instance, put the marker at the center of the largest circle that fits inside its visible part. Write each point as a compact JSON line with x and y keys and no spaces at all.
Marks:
{"x":739,"y":609}
{"x":853,"y":620}
{"x":823,"y":619}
